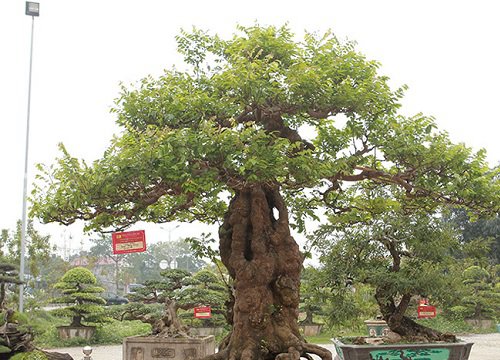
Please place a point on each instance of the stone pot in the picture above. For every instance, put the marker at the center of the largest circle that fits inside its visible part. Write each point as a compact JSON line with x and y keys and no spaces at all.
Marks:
{"x":310,"y":329}
{"x":481,"y":324}
{"x":428,"y":351}
{"x":377,"y":327}
{"x":154,"y":348}
{"x":205,"y":331}
{"x":71,"y":332}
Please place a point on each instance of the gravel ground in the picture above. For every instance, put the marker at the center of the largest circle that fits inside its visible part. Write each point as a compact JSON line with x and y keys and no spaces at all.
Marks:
{"x":486,"y":347}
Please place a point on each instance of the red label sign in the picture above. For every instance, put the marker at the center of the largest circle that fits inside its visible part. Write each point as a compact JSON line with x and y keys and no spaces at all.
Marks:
{"x":129,"y":242}
{"x":426,"y":311}
{"x":203,"y":312}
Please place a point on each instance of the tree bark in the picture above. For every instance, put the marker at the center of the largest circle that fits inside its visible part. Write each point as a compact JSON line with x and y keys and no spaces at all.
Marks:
{"x":76,"y":321}
{"x":265,"y":263}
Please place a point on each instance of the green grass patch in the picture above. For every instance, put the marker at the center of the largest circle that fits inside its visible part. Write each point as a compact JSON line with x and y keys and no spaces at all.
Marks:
{"x":320,"y":339}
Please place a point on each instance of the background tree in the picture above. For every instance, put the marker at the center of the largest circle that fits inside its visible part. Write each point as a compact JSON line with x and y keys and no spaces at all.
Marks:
{"x":482,"y":228}
{"x":38,"y":248}
{"x":102,"y":249}
{"x":178,"y":254}
{"x":78,"y":287}
{"x":256,"y":135}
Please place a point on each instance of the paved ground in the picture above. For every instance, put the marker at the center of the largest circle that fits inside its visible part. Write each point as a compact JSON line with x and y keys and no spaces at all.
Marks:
{"x":486,"y":347}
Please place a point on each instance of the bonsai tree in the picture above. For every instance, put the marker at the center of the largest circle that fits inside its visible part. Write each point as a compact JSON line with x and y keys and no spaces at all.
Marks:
{"x":16,"y":338}
{"x":177,"y":290}
{"x":8,"y":275}
{"x":311,"y":295}
{"x":257,"y":135}
{"x":402,"y":253}
{"x":12,"y":338}
{"x":207,"y":290}
{"x":482,"y":293}
{"x":78,"y":287}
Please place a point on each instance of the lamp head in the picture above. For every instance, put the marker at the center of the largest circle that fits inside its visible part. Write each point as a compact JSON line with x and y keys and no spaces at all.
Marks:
{"x":32,"y":8}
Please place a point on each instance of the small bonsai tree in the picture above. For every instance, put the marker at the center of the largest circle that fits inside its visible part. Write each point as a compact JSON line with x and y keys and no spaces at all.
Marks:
{"x":178,"y":289}
{"x":78,"y":287}
{"x":8,"y":275}
{"x":206,"y":289}
{"x":16,"y":338}
{"x":483,"y":294}
{"x":310,"y":295}
{"x":401,"y":253}
{"x":12,"y":338}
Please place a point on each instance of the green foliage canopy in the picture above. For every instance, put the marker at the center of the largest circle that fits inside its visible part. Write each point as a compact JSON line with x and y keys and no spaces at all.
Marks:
{"x":78,"y":288}
{"x":308,"y":116}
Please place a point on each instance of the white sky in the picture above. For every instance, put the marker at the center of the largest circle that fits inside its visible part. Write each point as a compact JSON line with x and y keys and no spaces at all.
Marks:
{"x":448,"y":53}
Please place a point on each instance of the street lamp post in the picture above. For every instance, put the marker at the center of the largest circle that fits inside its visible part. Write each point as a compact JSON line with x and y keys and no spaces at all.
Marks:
{"x":32,"y":9}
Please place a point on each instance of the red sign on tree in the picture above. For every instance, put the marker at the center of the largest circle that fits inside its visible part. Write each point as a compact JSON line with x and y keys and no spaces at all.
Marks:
{"x":203,"y":312}
{"x":129,"y":242}
{"x":426,"y":311}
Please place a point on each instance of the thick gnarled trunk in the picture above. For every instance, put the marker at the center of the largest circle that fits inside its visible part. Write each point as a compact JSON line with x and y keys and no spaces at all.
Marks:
{"x":265,"y":263}
{"x":395,"y":317}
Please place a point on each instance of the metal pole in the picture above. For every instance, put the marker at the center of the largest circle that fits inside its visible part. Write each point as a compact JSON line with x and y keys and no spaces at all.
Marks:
{"x":25,"y":184}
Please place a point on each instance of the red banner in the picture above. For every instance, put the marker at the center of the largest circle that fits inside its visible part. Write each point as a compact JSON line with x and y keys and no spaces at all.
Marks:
{"x":129,"y":242}
{"x":426,"y":311}
{"x":203,"y":312}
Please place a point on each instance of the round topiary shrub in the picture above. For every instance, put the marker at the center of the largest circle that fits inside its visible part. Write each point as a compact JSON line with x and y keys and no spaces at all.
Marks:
{"x":79,"y":290}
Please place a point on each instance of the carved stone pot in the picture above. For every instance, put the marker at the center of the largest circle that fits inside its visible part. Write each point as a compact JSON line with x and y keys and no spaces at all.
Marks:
{"x":155,"y":348}
{"x":430,"y":351}
{"x":70,"y":332}
{"x":205,"y":331}
{"x":310,"y":329}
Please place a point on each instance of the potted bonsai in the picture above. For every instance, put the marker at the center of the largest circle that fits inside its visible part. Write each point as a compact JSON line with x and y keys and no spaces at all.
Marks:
{"x":310,"y":302}
{"x":177,"y":289}
{"x":403,"y":255}
{"x":16,"y":337}
{"x":81,"y":295}
{"x":206,"y":290}
{"x":482,"y":297}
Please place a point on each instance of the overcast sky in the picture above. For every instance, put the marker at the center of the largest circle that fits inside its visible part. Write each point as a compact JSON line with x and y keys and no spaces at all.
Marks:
{"x":447,"y":52}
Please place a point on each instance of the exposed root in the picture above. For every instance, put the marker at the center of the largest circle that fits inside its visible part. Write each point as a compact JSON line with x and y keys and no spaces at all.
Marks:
{"x":304,"y":350}
{"x":292,"y":354}
{"x":323,"y":353}
{"x":221,"y":355}
{"x":307,"y":356}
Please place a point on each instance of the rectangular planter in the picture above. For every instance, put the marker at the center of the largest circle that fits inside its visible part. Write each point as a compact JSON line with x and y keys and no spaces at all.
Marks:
{"x":205,"y":331}
{"x":158,"y":348}
{"x":71,"y":332}
{"x":311,"y":329}
{"x":424,"y":351}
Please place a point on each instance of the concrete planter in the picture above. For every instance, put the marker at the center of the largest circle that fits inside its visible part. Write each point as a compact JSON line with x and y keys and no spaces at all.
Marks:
{"x":71,"y":332}
{"x":481,"y":324}
{"x":377,"y":327}
{"x":205,"y":331}
{"x":311,"y":329}
{"x":155,"y":348}
{"x":427,"y":351}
